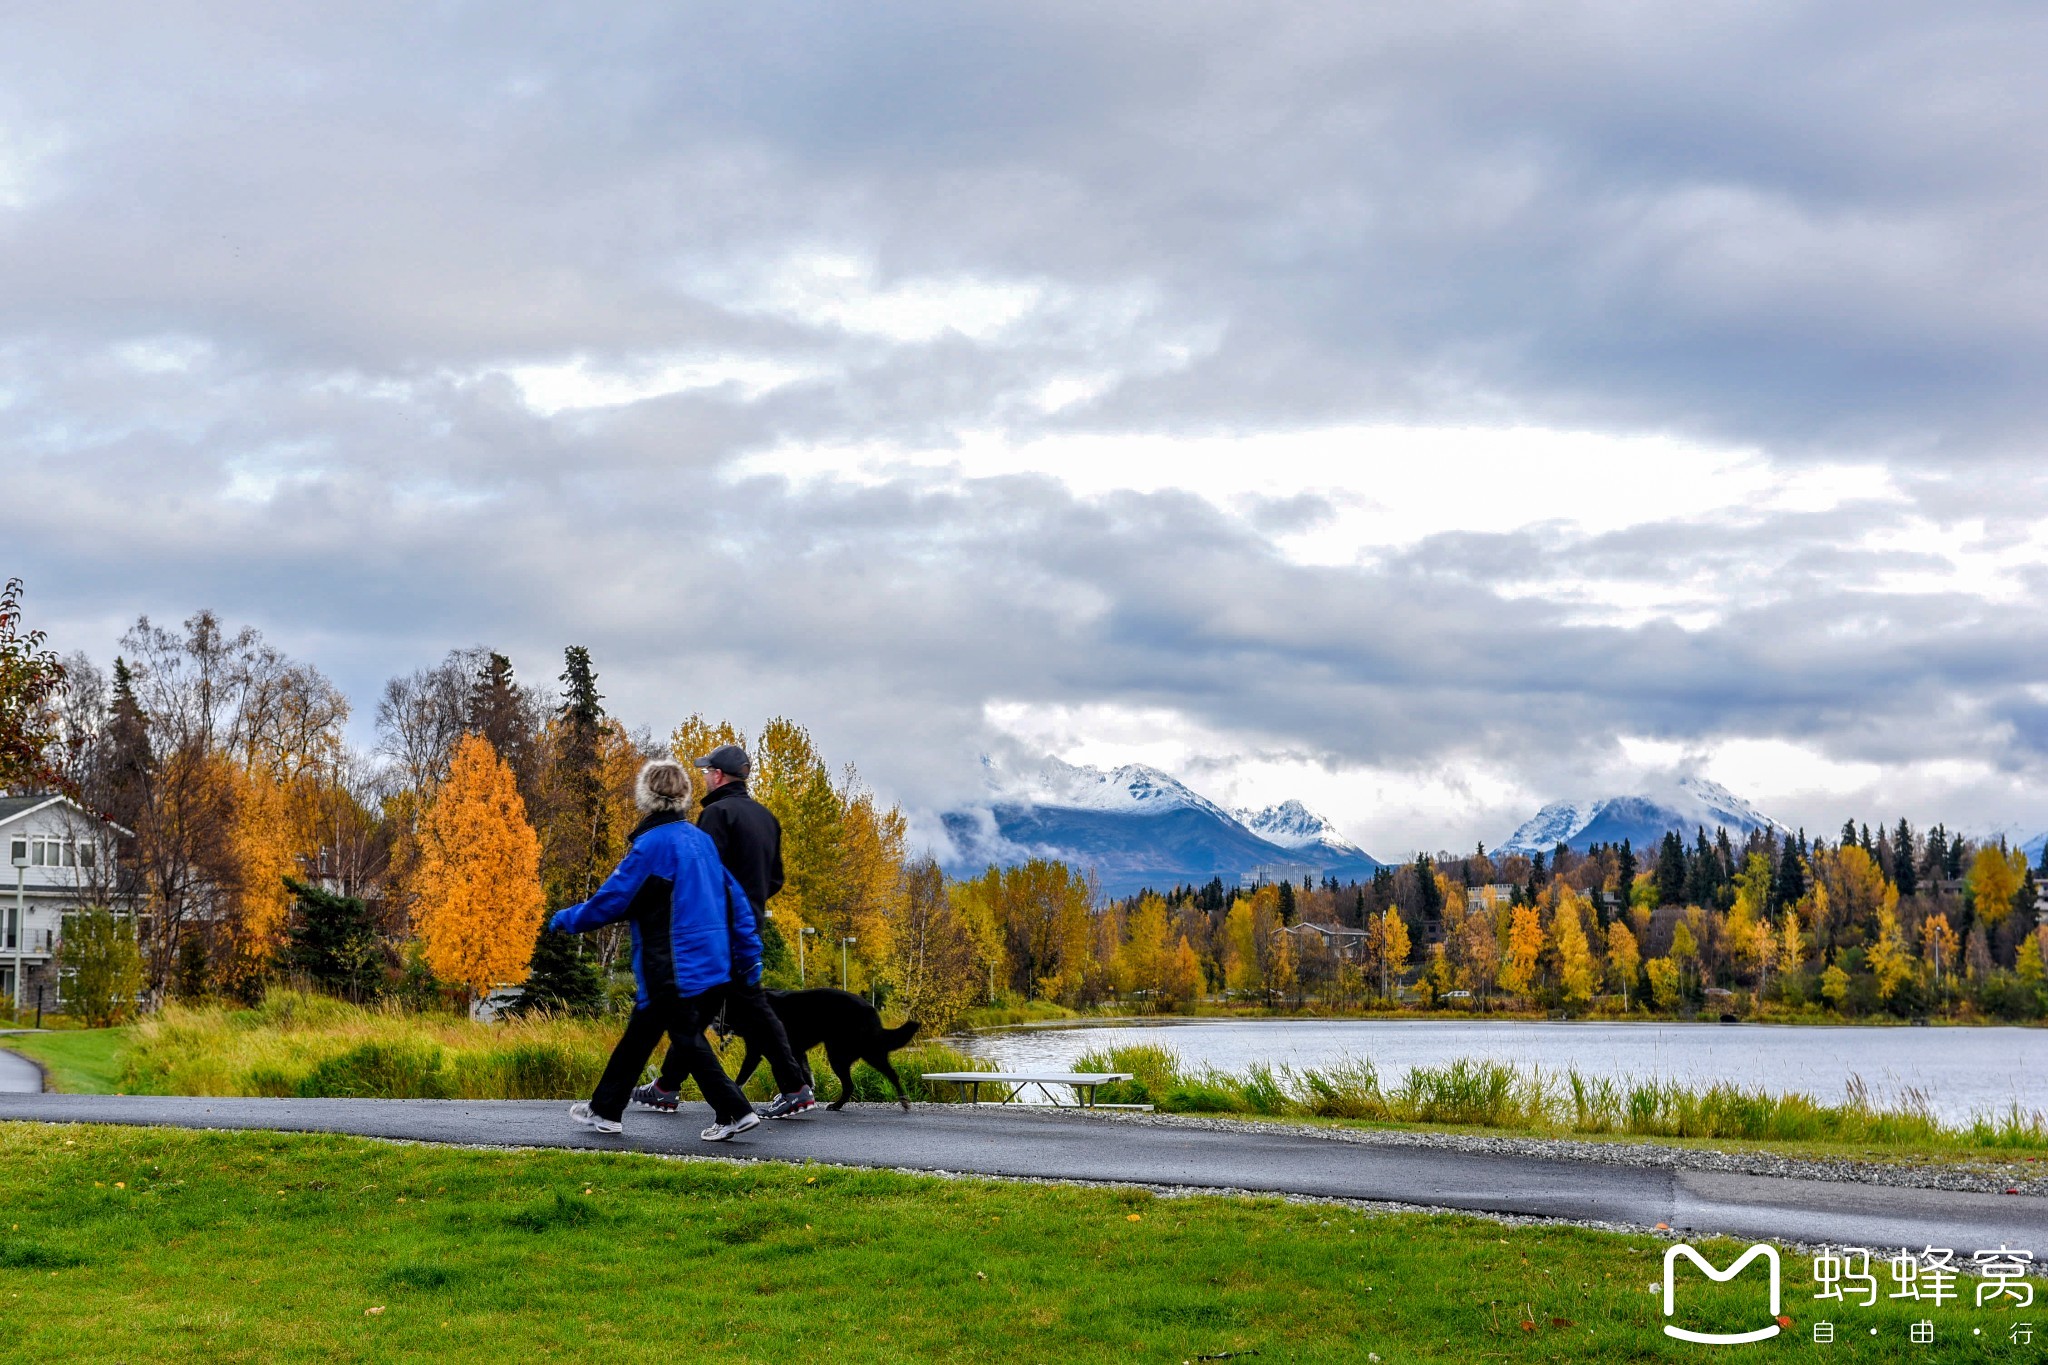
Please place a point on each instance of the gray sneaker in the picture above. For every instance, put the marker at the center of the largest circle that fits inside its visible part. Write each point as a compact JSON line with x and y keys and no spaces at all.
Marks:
{"x":789,"y":1106}
{"x":580,"y":1112}
{"x":719,"y":1132}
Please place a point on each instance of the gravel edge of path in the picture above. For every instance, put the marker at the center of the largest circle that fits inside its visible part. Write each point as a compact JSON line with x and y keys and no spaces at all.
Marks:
{"x":2029,"y":1179}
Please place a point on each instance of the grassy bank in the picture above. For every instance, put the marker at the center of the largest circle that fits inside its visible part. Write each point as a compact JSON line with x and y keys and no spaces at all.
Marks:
{"x":79,"y":1062}
{"x":128,"y":1244}
{"x":1484,"y":1094}
{"x":296,"y":1044}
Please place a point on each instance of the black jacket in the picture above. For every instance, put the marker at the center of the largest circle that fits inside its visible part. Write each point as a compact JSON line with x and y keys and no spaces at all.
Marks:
{"x":749,"y":840}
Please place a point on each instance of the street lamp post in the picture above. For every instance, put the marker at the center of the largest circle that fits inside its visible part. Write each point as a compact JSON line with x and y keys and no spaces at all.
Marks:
{"x":19,"y":853}
{"x":842,"y":959}
{"x":802,"y":977}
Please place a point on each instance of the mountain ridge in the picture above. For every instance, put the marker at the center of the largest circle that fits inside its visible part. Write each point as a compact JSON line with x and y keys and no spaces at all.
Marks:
{"x":1643,"y":818}
{"x":1136,"y":826}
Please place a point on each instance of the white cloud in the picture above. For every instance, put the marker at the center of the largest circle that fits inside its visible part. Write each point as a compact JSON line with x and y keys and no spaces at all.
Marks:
{"x":837,"y":290}
{"x":580,"y":382}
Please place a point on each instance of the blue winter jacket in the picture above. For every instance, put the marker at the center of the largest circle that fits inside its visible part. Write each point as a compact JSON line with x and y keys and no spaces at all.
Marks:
{"x":693,"y":928}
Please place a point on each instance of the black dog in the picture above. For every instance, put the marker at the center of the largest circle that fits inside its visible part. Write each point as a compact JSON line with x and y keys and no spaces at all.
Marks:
{"x":849,"y":1028}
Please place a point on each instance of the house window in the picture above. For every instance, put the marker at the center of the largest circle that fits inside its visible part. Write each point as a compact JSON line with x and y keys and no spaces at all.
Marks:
{"x":17,"y":852}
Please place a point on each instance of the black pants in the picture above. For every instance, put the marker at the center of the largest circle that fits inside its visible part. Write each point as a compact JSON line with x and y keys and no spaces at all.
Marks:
{"x":684,"y":1021}
{"x":748,"y":1013}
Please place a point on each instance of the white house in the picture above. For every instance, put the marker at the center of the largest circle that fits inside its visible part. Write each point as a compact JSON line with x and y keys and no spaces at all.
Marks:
{"x":60,"y":856}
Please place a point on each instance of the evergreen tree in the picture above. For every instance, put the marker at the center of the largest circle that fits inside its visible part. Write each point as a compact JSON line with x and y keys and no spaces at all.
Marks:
{"x":333,"y":940}
{"x":1671,"y":878}
{"x":561,"y":977}
{"x":1791,"y":882}
{"x":1625,"y":872}
{"x":1934,"y":854}
{"x":1868,"y":847}
{"x":1538,"y":874}
{"x":502,"y":712}
{"x":1954,"y":863}
{"x":1703,"y":876}
{"x":127,"y":761}
{"x":581,"y":842}
{"x":1905,"y":872}
{"x":1848,"y":833}
{"x":1429,"y":897}
{"x":1286,"y":902}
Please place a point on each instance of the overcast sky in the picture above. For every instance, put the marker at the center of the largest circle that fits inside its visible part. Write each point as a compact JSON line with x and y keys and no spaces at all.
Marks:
{"x":1425,"y":410}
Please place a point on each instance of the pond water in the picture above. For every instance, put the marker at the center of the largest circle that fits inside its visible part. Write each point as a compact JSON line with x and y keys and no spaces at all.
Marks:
{"x":1961,"y":1071}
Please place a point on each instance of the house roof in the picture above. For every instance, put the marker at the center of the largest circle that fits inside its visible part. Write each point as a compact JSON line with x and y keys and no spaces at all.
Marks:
{"x":12,"y":808}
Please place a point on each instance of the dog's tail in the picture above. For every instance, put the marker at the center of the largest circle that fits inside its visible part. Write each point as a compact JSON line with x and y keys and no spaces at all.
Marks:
{"x":893,"y":1038}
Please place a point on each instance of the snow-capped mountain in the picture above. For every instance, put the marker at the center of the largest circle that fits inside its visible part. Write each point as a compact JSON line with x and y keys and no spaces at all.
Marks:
{"x":1293,"y":825}
{"x":1133,"y":789}
{"x":1136,"y":826}
{"x":1685,"y":805}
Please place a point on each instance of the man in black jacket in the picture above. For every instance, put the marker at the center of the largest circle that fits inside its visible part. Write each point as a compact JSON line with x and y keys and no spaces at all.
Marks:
{"x":748,"y":838}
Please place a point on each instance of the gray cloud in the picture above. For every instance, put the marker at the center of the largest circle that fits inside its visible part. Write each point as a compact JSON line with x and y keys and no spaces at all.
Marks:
{"x":263,"y":274}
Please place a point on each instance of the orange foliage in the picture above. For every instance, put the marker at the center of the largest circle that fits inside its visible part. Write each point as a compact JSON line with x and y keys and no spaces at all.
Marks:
{"x":478,"y":878}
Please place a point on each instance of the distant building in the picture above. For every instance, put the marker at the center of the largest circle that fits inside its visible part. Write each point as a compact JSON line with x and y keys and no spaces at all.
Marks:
{"x":1492,"y":896}
{"x":1346,"y":943}
{"x":60,"y":857}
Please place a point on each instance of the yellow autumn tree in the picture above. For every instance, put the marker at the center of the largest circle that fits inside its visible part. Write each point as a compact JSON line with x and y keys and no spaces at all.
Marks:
{"x":1142,"y":959}
{"x":1577,"y":972}
{"x":1996,"y":875}
{"x":1938,"y":943}
{"x":266,"y":844}
{"x":1241,"y":960}
{"x":1389,"y":944}
{"x":1665,"y":985}
{"x":1183,"y":985}
{"x":1791,"y":943}
{"x":1890,"y":960}
{"x":477,"y":888}
{"x":1524,"y":947}
{"x":697,"y":737}
{"x":1624,"y":959}
{"x":931,"y":960}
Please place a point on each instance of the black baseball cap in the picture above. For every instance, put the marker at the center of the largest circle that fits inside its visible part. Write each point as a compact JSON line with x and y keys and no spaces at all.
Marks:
{"x":729,"y":759}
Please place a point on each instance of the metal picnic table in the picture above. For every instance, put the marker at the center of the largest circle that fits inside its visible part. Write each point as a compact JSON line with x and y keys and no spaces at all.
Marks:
{"x":1083,"y":1084}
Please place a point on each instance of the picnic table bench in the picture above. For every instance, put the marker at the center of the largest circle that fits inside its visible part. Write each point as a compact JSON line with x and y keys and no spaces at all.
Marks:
{"x":1082,"y":1083}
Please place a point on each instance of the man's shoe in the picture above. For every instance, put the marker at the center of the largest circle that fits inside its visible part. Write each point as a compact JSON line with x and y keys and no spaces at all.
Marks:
{"x":788,"y":1106}
{"x":719,"y":1132}
{"x":580,"y":1112}
{"x":652,"y":1096}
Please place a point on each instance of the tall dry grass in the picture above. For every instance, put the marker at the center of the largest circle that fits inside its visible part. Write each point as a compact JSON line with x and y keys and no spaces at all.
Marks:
{"x":305,"y":1045}
{"x":1490,"y":1094}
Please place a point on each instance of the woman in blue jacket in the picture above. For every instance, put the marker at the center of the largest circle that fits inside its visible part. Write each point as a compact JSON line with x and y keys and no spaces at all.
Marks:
{"x":693,"y":931}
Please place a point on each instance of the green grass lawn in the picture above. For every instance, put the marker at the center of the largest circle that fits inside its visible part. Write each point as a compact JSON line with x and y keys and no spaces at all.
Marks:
{"x":79,"y":1061}
{"x":166,"y":1245}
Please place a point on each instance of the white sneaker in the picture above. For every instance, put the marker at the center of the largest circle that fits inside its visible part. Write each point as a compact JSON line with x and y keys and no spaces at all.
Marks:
{"x":581,"y":1113}
{"x":719,"y":1132}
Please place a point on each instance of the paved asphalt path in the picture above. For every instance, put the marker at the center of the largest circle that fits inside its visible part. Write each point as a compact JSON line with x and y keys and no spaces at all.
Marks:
{"x":18,"y":1075}
{"x":985,"y":1141}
